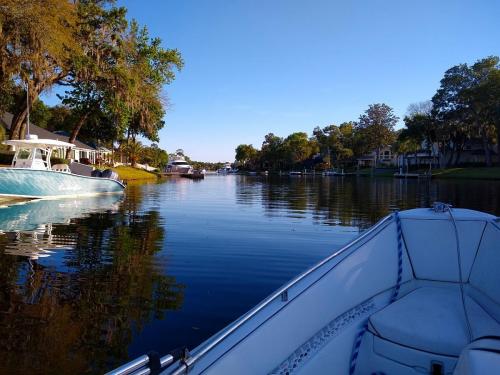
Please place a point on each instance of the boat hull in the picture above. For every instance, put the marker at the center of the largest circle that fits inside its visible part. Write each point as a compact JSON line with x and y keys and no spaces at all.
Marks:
{"x":29,"y":183}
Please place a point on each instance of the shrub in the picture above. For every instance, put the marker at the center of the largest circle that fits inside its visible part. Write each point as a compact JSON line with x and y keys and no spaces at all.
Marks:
{"x":54,"y":161}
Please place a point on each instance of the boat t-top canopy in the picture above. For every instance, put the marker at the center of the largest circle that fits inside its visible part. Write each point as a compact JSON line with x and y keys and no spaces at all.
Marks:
{"x":38,"y":143}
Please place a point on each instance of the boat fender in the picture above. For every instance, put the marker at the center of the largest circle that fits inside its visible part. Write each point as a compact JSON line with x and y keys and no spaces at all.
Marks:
{"x":154,"y":363}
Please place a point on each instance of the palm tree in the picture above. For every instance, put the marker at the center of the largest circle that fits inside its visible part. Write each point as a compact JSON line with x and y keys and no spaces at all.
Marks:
{"x":133,"y":149}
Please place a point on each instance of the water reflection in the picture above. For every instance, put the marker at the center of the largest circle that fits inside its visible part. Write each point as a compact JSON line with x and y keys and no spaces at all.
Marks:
{"x":360,"y":202}
{"x":74,"y":294}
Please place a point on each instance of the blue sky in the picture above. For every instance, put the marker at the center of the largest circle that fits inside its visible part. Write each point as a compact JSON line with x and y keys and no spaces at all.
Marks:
{"x":254,"y":67}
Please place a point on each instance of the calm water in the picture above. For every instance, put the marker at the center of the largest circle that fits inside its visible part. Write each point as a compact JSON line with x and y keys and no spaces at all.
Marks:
{"x":86,"y":285}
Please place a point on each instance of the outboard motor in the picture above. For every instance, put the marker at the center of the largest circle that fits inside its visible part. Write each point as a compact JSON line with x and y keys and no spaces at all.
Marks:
{"x":96,"y":173}
{"x":109,"y":173}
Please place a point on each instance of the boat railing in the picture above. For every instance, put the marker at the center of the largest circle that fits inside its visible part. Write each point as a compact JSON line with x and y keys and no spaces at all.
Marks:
{"x":143,"y":365}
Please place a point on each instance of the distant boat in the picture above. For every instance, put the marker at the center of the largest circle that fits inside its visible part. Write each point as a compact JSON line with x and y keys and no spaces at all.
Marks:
{"x":32,"y":175}
{"x":295,"y":173}
{"x":226,"y":169}
{"x":418,"y":293}
{"x":179,"y":165}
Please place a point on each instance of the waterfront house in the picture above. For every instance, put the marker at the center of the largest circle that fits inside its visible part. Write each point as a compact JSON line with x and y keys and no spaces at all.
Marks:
{"x":80,"y":153}
{"x":387,"y":158}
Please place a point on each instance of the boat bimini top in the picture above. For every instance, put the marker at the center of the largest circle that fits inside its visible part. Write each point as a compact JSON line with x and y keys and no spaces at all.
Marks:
{"x":35,"y":153}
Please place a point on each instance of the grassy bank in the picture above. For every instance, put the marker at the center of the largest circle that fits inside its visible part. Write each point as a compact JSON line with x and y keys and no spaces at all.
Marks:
{"x":130,"y":173}
{"x":476,"y":173}
{"x":369,"y":172}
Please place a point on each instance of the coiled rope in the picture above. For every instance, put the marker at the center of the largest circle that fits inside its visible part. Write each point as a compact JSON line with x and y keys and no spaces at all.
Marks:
{"x":364,"y":328}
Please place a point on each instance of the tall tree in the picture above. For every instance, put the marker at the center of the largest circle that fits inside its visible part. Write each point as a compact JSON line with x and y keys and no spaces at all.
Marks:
{"x":37,"y":47}
{"x":246,"y":155}
{"x":458,"y":111}
{"x":298,"y":147}
{"x":476,"y":100}
{"x":272,"y":152}
{"x":377,"y":127}
{"x":142,"y":70}
{"x":335,"y":142}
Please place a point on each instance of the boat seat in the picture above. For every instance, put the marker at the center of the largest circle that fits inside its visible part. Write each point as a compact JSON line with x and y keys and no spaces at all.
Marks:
{"x":432,"y":319}
{"x":480,"y":357}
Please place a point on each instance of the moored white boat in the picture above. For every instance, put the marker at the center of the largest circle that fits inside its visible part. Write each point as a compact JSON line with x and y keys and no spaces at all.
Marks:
{"x":179,"y":165}
{"x":418,"y":293}
{"x":32,"y":175}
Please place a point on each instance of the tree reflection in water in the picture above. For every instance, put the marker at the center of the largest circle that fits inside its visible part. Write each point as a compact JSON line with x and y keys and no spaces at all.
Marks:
{"x":360,"y":201}
{"x":77,"y":310}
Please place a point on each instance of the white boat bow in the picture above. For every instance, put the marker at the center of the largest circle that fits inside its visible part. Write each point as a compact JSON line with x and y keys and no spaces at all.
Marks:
{"x":418,"y":293}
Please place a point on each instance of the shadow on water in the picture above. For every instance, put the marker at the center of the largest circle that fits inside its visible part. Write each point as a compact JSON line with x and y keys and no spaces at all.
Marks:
{"x":88,"y":284}
{"x":77,"y":282}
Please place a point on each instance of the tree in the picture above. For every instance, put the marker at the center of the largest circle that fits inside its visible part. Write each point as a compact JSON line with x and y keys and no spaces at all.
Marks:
{"x":476,"y":98}
{"x":142,"y":70}
{"x":377,"y":127}
{"x":246,"y":155}
{"x":133,"y":150}
{"x":335,"y":142}
{"x":154,"y":156}
{"x":37,"y":47}
{"x":298,"y":147}
{"x":40,"y":114}
{"x":419,"y":108}
{"x":272,"y":152}
{"x":488,"y":93}
{"x":459,"y":110}
{"x":124,"y":75}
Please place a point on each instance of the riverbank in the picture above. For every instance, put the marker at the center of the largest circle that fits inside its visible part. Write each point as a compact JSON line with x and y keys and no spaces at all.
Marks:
{"x":130,"y":174}
{"x":476,"y":173}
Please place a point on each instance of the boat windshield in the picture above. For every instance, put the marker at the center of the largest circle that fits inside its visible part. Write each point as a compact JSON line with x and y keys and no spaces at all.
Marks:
{"x":24,"y":153}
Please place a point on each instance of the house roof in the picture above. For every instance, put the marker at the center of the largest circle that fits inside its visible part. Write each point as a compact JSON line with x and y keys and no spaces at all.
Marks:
{"x":40,"y":143}
{"x":6,"y":121}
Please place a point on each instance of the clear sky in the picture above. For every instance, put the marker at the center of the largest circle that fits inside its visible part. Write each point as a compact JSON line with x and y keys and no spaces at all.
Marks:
{"x":259,"y":66}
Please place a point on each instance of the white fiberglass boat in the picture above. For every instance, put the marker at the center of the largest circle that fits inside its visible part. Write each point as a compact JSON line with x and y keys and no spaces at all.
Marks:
{"x":32,"y":175}
{"x":226,"y":169}
{"x":179,"y":165}
{"x":418,"y":293}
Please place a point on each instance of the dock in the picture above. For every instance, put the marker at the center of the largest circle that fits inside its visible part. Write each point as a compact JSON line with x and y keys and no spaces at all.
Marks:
{"x":191,"y":176}
{"x":411,"y":175}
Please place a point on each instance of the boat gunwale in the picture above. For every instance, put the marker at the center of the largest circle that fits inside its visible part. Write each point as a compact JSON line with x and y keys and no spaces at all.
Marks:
{"x":63,"y":173}
{"x":232,"y":327}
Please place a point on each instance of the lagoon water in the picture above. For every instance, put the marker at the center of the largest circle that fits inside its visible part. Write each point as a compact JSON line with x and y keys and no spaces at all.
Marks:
{"x":88,"y":284}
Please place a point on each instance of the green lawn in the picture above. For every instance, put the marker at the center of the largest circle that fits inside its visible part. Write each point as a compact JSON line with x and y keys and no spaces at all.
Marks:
{"x":130,"y":173}
{"x":478,"y":173}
